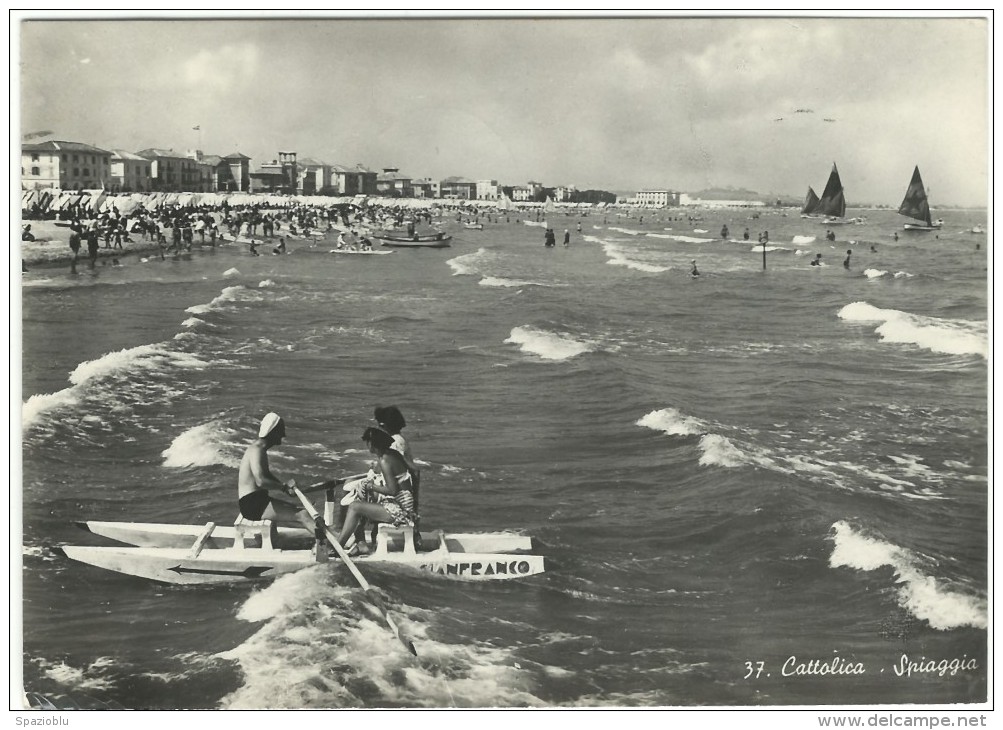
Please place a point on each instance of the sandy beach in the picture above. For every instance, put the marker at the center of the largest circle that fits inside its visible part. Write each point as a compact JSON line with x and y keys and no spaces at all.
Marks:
{"x":51,"y":246}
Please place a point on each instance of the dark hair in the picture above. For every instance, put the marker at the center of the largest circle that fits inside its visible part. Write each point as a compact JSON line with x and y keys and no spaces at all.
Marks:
{"x":378,"y":437}
{"x":390,"y":418}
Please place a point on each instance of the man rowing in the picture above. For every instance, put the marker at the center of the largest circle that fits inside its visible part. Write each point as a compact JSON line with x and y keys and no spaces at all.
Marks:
{"x":255,"y":479}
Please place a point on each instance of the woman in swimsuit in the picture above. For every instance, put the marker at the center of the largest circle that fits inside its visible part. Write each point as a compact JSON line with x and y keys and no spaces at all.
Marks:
{"x":391,"y":420}
{"x":391,"y":490}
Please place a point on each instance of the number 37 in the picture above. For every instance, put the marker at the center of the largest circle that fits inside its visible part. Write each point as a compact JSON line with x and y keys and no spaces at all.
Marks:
{"x":753,"y":669}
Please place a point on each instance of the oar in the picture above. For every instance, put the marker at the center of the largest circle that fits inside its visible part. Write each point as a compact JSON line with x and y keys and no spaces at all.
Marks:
{"x":373,"y":596}
{"x":332,"y":483}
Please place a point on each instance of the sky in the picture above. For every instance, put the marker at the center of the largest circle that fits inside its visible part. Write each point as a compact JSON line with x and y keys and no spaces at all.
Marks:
{"x":658,"y":102}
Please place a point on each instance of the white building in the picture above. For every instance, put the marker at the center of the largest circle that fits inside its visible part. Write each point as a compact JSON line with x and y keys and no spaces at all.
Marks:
{"x":657,"y":198}
{"x":130,"y":173}
{"x":564,"y":193}
{"x":64,"y":166}
{"x":686,"y":199}
{"x":488,"y":190}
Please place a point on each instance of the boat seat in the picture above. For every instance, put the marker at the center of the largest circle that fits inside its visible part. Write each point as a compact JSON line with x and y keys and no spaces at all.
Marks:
{"x":245,"y":528}
{"x":386,"y":532}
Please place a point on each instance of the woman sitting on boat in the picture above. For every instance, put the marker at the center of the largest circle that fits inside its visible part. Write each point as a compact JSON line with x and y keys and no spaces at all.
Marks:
{"x":391,"y":420}
{"x":392,"y":498}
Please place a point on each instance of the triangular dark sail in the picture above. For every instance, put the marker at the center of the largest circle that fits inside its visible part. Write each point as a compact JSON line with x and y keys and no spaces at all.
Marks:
{"x":915,"y":204}
{"x":832,"y":202}
{"x":810,"y":202}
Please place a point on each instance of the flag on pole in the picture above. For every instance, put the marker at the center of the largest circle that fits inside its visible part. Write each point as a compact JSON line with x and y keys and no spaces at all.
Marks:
{"x":197,"y":127}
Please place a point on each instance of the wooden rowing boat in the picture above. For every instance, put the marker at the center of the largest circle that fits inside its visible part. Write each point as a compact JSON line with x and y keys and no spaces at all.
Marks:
{"x":402,"y":244}
{"x":363,"y":253}
{"x":250,"y":551}
{"x":401,"y":239}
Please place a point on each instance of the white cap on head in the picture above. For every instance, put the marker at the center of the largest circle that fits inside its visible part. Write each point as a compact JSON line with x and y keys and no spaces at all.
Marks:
{"x":268,"y":424}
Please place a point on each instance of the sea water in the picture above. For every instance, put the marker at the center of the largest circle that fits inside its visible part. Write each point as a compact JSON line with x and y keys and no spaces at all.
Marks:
{"x":748,"y":486}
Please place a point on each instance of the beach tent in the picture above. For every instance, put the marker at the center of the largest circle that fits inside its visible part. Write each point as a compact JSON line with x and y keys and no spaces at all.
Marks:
{"x":93,"y":200}
{"x":124,"y":204}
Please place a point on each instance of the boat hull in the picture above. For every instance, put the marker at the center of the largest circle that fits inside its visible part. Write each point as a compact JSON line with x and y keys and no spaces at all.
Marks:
{"x":168,"y":535}
{"x":173,"y":565}
{"x":404,"y":243}
{"x":359,"y":253}
{"x":248,"y":565}
{"x":166,"y":553}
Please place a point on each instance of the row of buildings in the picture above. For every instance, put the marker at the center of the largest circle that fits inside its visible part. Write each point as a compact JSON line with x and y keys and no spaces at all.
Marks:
{"x":79,"y":166}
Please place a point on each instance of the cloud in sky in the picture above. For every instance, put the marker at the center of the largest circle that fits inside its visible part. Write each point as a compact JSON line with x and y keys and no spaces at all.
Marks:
{"x":225,"y":69}
{"x":612,"y":103}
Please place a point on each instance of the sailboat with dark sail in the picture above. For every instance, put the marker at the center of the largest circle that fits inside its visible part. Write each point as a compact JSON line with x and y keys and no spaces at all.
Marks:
{"x":916,"y":206}
{"x":832,"y":204}
{"x":810,"y":204}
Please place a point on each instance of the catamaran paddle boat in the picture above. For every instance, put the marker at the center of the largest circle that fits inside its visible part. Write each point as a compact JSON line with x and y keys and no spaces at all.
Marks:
{"x":260,"y":550}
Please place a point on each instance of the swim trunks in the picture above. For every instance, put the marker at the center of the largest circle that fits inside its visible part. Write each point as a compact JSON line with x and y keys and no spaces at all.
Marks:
{"x":253,"y":505}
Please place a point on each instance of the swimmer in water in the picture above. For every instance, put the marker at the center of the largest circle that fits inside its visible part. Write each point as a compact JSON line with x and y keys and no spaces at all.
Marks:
{"x":693,"y":270}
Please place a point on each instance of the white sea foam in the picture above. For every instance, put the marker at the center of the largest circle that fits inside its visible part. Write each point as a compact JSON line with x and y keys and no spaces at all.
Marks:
{"x":231,"y":272}
{"x":40,"y":403}
{"x":628,"y":231}
{"x":617,"y":257}
{"x":229,"y":294}
{"x":700,"y":230}
{"x":952,"y":337}
{"x":86,"y":678}
{"x":659,"y":235}
{"x":802,"y":239}
{"x":672,"y":422}
{"x":911,"y":466}
{"x":535,"y":224}
{"x":142,"y":357}
{"x":507,"y":283}
{"x":36,"y":282}
{"x":320,"y":646}
{"x":265,"y":284}
{"x":193,"y":322}
{"x":719,"y":451}
{"x":279,"y":596}
{"x":113,"y":364}
{"x":874,"y":273}
{"x":547,"y":345}
{"x":692,"y":239}
{"x":922,"y":595}
{"x":203,"y":445}
{"x":759,"y":249}
{"x":467,"y":264}
{"x":903,"y":275}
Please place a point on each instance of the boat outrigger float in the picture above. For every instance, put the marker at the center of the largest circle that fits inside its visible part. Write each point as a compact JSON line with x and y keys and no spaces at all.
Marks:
{"x":253,"y":551}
